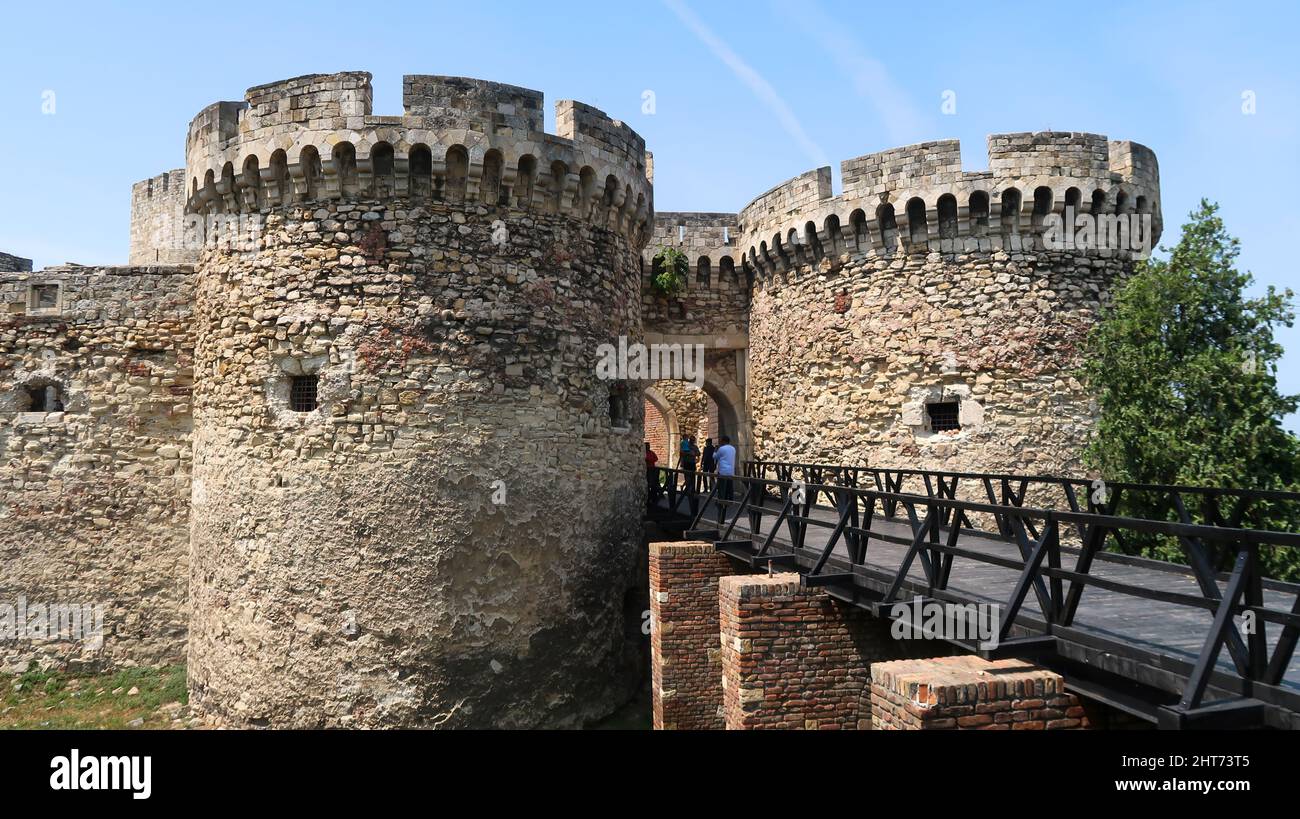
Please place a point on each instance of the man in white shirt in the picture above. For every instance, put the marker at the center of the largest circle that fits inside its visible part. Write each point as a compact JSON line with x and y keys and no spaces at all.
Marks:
{"x":726,"y":460}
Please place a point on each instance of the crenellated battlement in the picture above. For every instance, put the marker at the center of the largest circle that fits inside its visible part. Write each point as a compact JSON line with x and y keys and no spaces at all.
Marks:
{"x":917,"y":199}
{"x":157,"y":221}
{"x":164,"y":184}
{"x":709,"y":240}
{"x":458,"y":140}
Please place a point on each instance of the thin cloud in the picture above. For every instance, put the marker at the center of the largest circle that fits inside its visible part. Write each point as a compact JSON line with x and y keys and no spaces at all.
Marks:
{"x":870,"y":79}
{"x":759,"y":86}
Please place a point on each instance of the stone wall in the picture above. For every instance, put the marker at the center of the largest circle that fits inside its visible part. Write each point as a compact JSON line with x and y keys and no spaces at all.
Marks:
{"x":410,"y":479}
{"x":361,"y":539}
{"x":924,"y":290}
{"x":158,"y":221}
{"x":316,"y":137}
{"x":844,"y":364}
{"x":788,"y":199}
{"x":95,"y":382}
{"x":714,"y":308}
{"x":14,"y":264}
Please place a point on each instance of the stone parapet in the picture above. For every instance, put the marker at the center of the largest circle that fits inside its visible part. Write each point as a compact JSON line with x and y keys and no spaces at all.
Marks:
{"x":917,"y":199}
{"x":459,"y":140}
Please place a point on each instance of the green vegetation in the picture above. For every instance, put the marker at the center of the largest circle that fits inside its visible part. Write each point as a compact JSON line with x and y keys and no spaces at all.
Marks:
{"x":51,"y":699}
{"x":670,"y":269}
{"x":1184,"y":367}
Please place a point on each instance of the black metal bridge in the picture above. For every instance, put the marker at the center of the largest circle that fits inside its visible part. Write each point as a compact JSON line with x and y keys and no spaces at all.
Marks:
{"x":1206,"y":643}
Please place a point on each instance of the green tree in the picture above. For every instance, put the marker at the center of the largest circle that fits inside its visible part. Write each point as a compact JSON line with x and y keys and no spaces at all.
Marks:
{"x":669,"y":270}
{"x":1184,"y":368}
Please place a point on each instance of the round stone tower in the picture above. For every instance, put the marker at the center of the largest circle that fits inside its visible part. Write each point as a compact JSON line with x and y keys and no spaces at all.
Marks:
{"x":414,"y":502}
{"x":932,"y":318}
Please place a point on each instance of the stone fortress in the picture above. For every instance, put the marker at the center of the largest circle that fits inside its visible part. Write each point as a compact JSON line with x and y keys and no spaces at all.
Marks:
{"x":335,"y":436}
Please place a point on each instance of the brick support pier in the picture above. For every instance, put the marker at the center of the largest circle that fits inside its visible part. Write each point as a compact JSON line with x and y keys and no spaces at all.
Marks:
{"x":969,"y":692}
{"x":796,"y":659}
{"x":685,"y":667}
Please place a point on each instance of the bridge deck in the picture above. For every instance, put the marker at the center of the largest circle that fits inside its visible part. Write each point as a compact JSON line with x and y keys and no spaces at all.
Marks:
{"x":1159,"y":631}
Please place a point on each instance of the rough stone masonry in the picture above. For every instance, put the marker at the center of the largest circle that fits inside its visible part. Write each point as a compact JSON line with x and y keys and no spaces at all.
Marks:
{"x":335,"y":437}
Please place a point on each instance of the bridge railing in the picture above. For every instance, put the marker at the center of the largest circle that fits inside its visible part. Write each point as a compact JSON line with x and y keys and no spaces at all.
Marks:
{"x":1209,"y":506}
{"x":935,"y":523}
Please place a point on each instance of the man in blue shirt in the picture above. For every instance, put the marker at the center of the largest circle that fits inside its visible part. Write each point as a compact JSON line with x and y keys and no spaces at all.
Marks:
{"x":686,"y":454}
{"x":726,"y":458}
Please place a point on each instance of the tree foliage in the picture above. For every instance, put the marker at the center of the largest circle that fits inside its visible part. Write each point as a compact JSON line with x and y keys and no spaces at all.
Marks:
{"x":1184,"y":367}
{"x":671,"y":267}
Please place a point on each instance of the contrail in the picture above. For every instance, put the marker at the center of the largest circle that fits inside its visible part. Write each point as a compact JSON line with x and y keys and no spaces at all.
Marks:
{"x":760,"y":87}
{"x":869,"y":76}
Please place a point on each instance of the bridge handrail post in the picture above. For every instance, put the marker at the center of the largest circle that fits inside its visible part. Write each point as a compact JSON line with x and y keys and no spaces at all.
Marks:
{"x":1199,"y":679}
{"x":1031,"y":578}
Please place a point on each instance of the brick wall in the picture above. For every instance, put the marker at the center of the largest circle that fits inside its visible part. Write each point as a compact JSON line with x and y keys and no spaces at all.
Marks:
{"x":964,"y":692}
{"x":656,"y":432}
{"x":754,"y":651}
{"x":686,"y":669}
{"x":798,"y":659}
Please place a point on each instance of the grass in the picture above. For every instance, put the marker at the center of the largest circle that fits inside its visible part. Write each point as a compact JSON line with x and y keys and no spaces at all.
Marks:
{"x":39,"y":699}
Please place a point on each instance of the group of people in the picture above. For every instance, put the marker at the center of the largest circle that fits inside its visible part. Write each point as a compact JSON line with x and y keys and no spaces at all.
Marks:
{"x":717,"y":461}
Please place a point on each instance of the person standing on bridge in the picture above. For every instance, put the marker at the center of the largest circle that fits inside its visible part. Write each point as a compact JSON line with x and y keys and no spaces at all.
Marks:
{"x":686,"y":462}
{"x":708,"y":462}
{"x":726,"y":467}
{"x":651,"y":473}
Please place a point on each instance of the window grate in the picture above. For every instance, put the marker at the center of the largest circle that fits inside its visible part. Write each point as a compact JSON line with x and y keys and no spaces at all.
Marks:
{"x":943,"y":416}
{"x":303,"y":393}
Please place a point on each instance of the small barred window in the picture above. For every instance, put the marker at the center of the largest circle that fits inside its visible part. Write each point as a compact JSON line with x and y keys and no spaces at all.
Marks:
{"x":943,"y":416}
{"x":303,"y":393}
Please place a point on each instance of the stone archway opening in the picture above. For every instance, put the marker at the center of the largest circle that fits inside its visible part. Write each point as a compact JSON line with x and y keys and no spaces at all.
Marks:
{"x":660,"y":426}
{"x":674,"y":408}
{"x":730,"y":422}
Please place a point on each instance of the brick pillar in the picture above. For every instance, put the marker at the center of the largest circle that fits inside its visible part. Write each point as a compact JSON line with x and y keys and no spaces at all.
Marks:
{"x":969,"y":692}
{"x":685,"y":670}
{"x":796,"y":659}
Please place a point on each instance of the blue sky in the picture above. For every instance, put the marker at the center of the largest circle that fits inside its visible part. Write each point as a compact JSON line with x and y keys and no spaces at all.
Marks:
{"x":746,"y":94}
